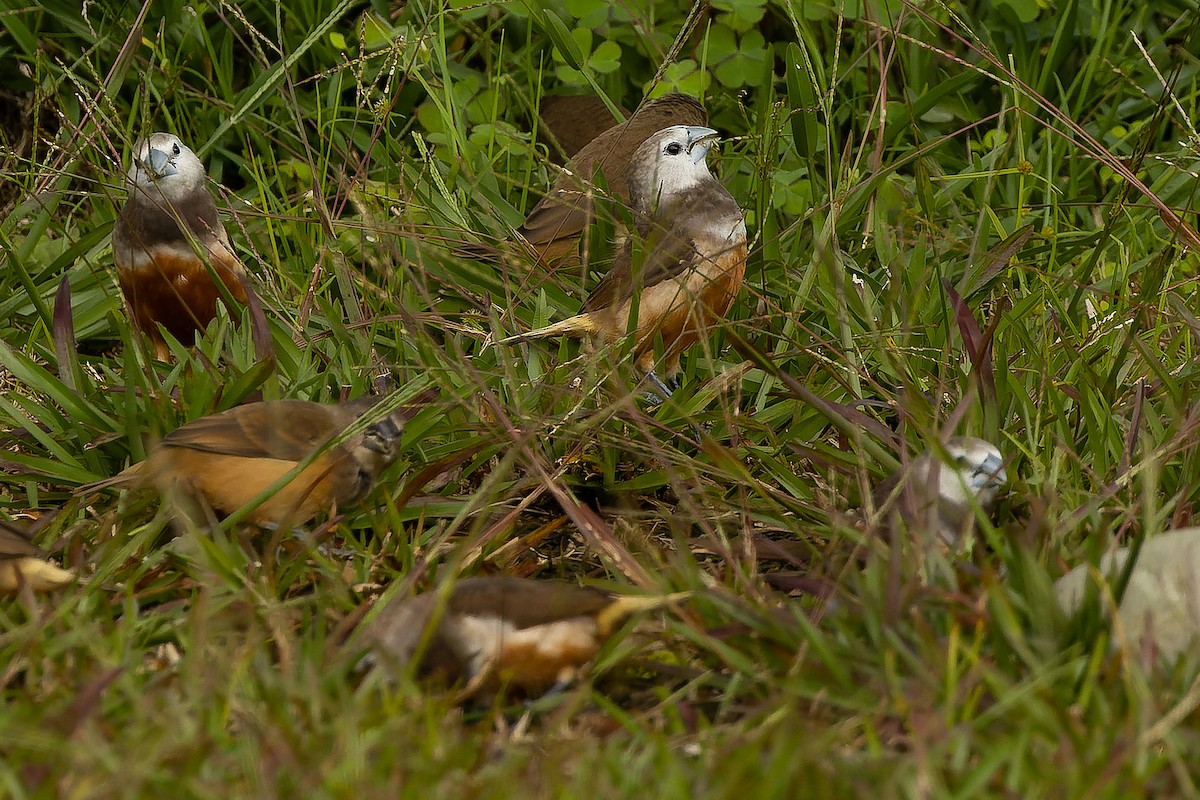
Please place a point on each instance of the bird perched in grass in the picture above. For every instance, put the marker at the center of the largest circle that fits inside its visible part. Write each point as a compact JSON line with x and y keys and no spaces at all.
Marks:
{"x":169,"y":245}
{"x":1160,"y":604}
{"x":22,"y":562}
{"x":940,"y":493}
{"x":553,"y":228}
{"x":224,"y":461}
{"x":684,"y":266}
{"x":527,"y":635}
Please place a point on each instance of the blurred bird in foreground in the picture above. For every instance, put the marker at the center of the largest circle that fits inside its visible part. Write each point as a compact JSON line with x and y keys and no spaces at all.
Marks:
{"x":682,"y":269}
{"x":23,"y":562}
{"x":169,"y":244}
{"x":1160,"y":607}
{"x":224,"y":461}
{"x":526,"y":635}
{"x":941,"y":494}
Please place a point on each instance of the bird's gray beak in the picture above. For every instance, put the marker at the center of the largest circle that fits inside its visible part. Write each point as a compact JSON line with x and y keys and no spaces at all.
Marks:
{"x":700,"y":141}
{"x":158,"y":164}
{"x":991,"y":472}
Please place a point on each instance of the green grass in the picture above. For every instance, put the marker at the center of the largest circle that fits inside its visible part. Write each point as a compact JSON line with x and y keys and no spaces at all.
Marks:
{"x":1031,"y":160}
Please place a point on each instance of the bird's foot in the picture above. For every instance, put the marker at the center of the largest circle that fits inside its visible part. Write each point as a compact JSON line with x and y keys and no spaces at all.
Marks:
{"x":659,"y":385}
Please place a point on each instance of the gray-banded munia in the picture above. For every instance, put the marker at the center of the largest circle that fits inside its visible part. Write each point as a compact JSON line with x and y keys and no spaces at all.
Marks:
{"x":228,"y":459}
{"x":168,"y":244}
{"x":682,"y":269}
{"x":22,"y":562}
{"x":940,"y":494}
{"x":554,"y":226}
{"x":522,"y":634}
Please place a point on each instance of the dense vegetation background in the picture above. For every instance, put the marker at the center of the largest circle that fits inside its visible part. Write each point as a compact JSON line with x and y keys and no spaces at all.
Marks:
{"x":975,"y":216}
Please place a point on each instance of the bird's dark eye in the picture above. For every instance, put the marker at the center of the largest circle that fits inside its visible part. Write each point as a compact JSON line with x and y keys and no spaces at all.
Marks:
{"x":674,"y":149}
{"x":175,"y":148}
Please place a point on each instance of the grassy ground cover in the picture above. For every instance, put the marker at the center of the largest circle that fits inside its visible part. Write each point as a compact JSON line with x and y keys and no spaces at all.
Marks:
{"x":975,"y":216}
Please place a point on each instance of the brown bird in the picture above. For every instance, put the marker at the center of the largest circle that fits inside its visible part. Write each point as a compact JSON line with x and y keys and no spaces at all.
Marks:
{"x":226,"y":460}
{"x":168,"y":244}
{"x":492,"y":632}
{"x":22,"y":562}
{"x":570,"y":121}
{"x":684,"y":266}
{"x":553,"y":228}
{"x":940,"y":494}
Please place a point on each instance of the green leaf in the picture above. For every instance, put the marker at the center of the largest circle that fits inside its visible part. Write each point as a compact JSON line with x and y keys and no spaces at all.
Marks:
{"x":804,"y":87}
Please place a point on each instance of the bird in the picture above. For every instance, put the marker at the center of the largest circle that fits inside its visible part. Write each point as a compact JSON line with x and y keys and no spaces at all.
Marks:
{"x":939,"y":494}
{"x":684,"y":266}
{"x":554,"y":226}
{"x":22,"y":562}
{"x":226,"y":460}
{"x":168,"y":244}
{"x":1160,"y":605}
{"x":527,"y":635}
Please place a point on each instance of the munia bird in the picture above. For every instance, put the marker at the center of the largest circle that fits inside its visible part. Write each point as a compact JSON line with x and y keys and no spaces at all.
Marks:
{"x":553,"y":228}
{"x":22,"y":562}
{"x":169,"y":244}
{"x":555,"y":225}
{"x":528,"y":636}
{"x":683,"y":267}
{"x":224,"y":461}
{"x":940,"y":495}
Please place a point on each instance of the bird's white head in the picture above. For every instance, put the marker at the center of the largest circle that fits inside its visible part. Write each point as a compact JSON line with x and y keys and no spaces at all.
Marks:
{"x":164,"y":168}
{"x":974,"y":468}
{"x":669,"y":163}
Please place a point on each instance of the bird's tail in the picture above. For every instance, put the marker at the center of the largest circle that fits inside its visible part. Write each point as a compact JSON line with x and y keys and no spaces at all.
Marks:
{"x":474,"y":251}
{"x":625,"y":606}
{"x":128,"y":477}
{"x":577,"y":325}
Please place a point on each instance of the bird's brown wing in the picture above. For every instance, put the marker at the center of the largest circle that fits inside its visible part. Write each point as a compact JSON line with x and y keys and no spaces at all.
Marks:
{"x":569,"y":122}
{"x":565,"y":210}
{"x":525,"y":602}
{"x":663,"y":256}
{"x":561,"y":214}
{"x":14,"y":543}
{"x":280,"y":429}
{"x":667,"y":246}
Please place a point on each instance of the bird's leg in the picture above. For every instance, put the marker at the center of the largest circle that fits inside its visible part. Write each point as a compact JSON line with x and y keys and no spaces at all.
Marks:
{"x":481,"y":669}
{"x":567,"y":679}
{"x":668,"y":388}
{"x":659,"y":386}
